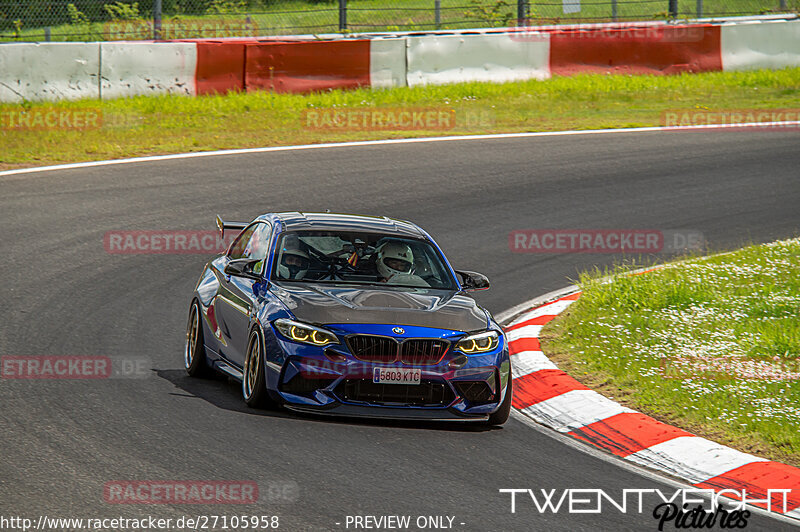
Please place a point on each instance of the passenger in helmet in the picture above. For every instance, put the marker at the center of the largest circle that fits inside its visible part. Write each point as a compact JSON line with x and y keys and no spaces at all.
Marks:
{"x":395,"y":264}
{"x":293,"y":262}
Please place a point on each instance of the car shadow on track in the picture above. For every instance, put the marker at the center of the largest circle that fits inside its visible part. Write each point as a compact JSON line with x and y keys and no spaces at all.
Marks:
{"x":225,"y":393}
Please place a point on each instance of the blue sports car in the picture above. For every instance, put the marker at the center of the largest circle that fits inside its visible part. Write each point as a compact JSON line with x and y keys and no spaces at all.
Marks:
{"x":348,"y":315}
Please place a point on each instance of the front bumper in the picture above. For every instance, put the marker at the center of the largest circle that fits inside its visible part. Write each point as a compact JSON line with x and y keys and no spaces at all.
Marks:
{"x":333,"y":381}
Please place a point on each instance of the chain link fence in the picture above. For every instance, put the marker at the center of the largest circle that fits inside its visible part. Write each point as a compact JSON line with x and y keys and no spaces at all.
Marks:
{"x":93,"y":20}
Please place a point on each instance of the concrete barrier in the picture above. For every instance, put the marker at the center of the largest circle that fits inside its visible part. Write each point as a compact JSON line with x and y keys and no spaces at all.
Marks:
{"x":442,"y":59}
{"x":387,"y":63}
{"x":756,"y":45}
{"x":48,"y":71}
{"x":631,"y":50}
{"x":220,"y":67}
{"x":307,"y":66}
{"x":53,"y":71}
{"x":141,"y":68}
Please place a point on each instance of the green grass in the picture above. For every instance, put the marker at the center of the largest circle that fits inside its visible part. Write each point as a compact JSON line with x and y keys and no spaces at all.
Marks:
{"x":302,"y":17}
{"x":168,"y":124}
{"x":711,"y":345}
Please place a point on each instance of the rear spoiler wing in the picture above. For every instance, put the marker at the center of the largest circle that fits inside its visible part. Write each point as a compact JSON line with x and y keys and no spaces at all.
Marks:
{"x":222,"y":225}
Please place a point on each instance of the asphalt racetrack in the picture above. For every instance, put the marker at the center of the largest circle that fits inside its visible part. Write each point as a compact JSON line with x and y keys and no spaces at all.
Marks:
{"x":63,"y":294}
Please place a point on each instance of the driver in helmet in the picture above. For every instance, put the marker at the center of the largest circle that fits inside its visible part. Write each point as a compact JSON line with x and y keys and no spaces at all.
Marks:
{"x":395,"y":264}
{"x":294,"y":261}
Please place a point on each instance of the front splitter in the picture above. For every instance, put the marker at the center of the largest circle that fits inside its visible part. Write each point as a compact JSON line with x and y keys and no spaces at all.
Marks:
{"x":386,"y":413}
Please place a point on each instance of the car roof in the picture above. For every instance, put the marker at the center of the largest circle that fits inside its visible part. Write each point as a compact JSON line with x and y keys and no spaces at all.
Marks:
{"x":326,"y":221}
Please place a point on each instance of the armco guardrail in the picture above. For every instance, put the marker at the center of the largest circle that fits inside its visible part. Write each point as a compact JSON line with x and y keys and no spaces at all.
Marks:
{"x":196,"y":67}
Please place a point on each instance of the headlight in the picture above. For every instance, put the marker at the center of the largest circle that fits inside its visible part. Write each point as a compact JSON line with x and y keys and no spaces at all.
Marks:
{"x":305,"y":334}
{"x":478,"y":343}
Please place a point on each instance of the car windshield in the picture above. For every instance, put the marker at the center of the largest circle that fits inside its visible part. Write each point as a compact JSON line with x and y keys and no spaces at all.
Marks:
{"x":359,"y":258}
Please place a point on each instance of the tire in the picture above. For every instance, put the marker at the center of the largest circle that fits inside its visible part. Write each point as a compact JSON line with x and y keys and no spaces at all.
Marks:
{"x":254,"y":389}
{"x":501,"y":416}
{"x":194,"y":354}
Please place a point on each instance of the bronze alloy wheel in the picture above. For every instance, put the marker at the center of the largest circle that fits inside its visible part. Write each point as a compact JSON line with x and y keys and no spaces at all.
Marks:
{"x":254,"y":390}
{"x":194,"y":356}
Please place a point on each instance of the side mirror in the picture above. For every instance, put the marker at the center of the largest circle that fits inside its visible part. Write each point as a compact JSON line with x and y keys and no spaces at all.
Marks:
{"x":243,"y":268}
{"x":471,"y":281}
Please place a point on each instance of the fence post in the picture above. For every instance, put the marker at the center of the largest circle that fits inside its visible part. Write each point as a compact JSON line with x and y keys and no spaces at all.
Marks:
{"x":699,"y":8}
{"x":437,"y":6}
{"x":157,"y":20}
{"x":614,"y":10}
{"x":673,"y":9}
{"x":784,"y":5}
{"x":522,"y":13}
{"x":342,"y":15}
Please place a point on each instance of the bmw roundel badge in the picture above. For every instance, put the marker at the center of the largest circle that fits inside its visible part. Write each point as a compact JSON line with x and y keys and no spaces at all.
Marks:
{"x":398,"y":330}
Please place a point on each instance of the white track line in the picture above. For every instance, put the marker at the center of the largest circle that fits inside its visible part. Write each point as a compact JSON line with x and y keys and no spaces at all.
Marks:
{"x":244,"y":151}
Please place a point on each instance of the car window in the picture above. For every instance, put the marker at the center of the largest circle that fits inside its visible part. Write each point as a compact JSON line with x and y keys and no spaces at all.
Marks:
{"x":237,"y":250}
{"x":361,"y":258}
{"x":258,"y":246}
{"x":252,"y":243}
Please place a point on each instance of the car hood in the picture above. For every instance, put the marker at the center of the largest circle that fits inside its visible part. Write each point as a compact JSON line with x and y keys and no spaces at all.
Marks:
{"x":325,"y":304}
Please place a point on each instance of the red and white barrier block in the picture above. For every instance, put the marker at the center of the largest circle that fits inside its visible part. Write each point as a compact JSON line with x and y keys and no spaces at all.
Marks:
{"x":52,"y":71}
{"x":665,"y":49}
{"x":299,"y":66}
{"x":442,"y":59}
{"x":760,"y":44}
{"x":556,"y":400}
{"x":140,"y":68}
{"x":49,"y":71}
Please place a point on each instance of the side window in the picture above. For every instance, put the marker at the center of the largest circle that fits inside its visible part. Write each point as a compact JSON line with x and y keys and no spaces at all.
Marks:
{"x":240,"y":244}
{"x":258,"y":246}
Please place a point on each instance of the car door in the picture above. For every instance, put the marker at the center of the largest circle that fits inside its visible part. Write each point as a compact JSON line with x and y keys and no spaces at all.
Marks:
{"x":236,"y":298}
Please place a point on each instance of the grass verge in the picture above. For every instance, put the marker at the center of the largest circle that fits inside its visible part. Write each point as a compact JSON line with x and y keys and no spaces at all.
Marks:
{"x":711,"y":345}
{"x":168,"y":124}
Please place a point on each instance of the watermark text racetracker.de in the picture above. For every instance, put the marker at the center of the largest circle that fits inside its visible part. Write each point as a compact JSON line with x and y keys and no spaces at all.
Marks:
{"x":395,"y":119}
{"x":766,"y":119}
{"x":180,"y":492}
{"x":74,"y":367}
{"x":49,"y":118}
{"x":650,"y":33}
{"x":166,"y":242}
{"x":181,"y":28}
{"x":27,"y":118}
{"x":728,"y":368}
{"x":681,"y":508}
{"x":199,"y":492}
{"x":604,"y":241}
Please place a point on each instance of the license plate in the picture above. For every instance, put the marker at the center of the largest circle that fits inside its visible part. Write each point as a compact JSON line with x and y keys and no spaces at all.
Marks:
{"x":396,"y":376}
